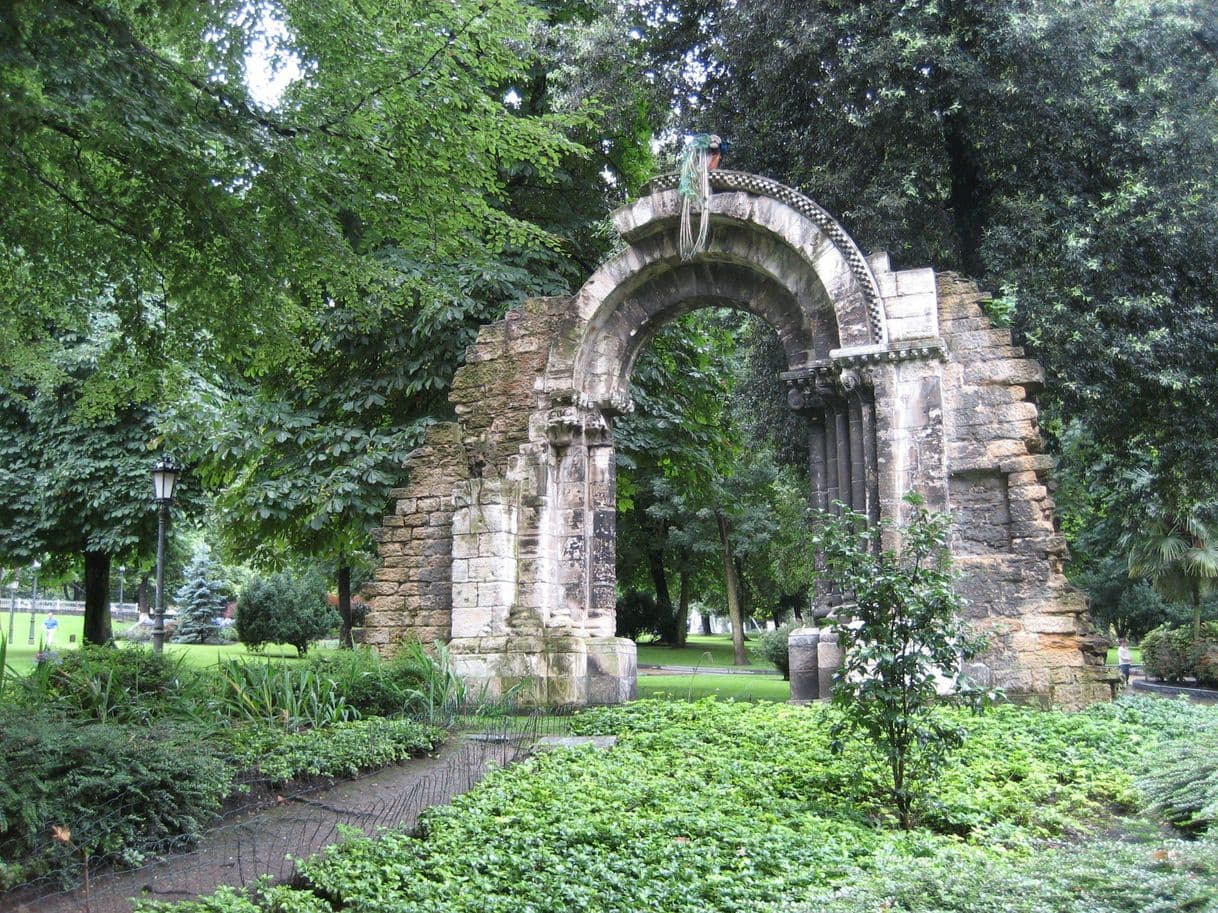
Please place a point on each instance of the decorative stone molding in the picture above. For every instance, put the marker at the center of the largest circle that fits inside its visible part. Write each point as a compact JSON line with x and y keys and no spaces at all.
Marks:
{"x":752,"y":183}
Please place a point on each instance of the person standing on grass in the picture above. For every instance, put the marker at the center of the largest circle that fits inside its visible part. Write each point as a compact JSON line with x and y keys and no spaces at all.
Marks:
{"x":51,"y":625}
{"x":1124,"y":660}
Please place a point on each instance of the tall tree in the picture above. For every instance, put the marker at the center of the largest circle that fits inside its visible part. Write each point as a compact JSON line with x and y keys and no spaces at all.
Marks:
{"x":1061,"y":153}
{"x":139,"y":167}
{"x":73,"y":483}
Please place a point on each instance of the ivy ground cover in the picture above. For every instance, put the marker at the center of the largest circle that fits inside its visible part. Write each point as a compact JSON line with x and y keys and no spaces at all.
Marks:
{"x":715,"y":806}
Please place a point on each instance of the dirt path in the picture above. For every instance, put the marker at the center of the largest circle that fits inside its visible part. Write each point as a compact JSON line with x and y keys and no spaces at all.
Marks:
{"x":263,"y":842}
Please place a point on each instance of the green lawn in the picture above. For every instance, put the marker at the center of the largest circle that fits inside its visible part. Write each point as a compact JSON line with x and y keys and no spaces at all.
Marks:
{"x":693,"y":687}
{"x":21,"y":655}
{"x":700,"y":650}
{"x":1135,"y":654}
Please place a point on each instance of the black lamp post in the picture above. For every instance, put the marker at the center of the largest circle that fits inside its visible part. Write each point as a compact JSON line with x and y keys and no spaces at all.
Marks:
{"x":34,"y":599}
{"x":164,"y":478}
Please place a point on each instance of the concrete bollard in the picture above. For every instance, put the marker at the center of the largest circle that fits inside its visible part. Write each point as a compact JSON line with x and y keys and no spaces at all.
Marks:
{"x":801,"y":651}
{"x":828,"y":661}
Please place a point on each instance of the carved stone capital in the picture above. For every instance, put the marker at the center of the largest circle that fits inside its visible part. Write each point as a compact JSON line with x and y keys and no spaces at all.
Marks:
{"x":574,"y":424}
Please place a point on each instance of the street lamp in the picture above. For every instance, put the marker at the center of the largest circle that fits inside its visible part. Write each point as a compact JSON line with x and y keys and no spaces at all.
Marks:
{"x":12,"y":606}
{"x":164,"y":478}
{"x":34,"y":599}
{"x":122,"y":570}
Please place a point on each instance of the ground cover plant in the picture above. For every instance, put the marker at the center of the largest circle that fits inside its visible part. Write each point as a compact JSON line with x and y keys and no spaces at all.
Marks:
{"x":118,"y":754}
{"x":723,"y":806}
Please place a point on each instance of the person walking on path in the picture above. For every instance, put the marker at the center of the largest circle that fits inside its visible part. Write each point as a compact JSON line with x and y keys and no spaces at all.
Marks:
{"x":1124,"y":660}
{"x":51,"y":625}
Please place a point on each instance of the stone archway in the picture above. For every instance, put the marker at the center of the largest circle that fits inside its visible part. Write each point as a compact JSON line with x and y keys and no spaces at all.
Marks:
{"x":502,"y":543}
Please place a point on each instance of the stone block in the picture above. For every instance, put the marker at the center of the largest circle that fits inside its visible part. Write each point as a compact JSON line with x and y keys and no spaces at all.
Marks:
{"x":612,"y":670}
{"x":828,"y":661}
{"x":802,"y":646}
{"x":1052,"y":624}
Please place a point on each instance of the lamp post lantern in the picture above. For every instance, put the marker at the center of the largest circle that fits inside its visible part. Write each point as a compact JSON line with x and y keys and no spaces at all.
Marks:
{"x":34,"y":599}
{"x":164,"y":479}
{"x":12,"y":606}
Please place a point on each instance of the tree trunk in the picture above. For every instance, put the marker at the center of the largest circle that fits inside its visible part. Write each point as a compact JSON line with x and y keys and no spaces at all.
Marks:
{"x":1196,"y":613}
{"x":706,"y":623}
{"x":683,"y":608}
{"x":659,"y":580}
{"x":97,"y":607}
{"x":733,"y":597}
{"x":344,"y":607}
{"x":142,"y":599}
{"x":966,"y":196}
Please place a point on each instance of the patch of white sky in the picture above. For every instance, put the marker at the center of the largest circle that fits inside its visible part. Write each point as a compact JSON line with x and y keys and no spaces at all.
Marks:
{"x":271,"y":65}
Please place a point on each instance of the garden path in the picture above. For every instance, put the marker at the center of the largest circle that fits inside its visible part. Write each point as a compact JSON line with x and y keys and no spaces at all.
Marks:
{"x":265,"y":842}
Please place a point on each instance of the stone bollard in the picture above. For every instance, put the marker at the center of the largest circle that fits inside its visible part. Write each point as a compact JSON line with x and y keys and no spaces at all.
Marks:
{"x":801,"y":652}
{"x":828,"y":661}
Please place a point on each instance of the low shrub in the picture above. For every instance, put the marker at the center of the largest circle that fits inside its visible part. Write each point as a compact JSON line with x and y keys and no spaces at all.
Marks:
{"x":1182,"y":783}
{"x":772,"y":647}
{"x":109,"y":684}
{"x":1171,"y":654}
{"x":1166,"y":653}
{"x":371,"y":685}
{"x":288,"y":696}
{"x":120,"y":791}
{"x":638,"y":616}
{"x":284,"y":608}
{"x":339,"y":750}
{"x":1103,"y":877}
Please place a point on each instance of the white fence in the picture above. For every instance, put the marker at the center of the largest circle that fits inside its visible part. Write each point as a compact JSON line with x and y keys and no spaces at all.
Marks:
{"x":120,"y":610}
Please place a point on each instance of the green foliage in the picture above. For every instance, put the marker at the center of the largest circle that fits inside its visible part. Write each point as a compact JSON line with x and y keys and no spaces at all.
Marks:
{"x":904,"y":636}
{"x":122,"y":791}
{"x":1106,"y":876}
{"x":441,"y":694}
{"x":772,"y":646}
{"x":340,"y":749}
{"x":1173,"y":653}
{"x":1182,"y":782}
{"x":285,"y":608}
{"x":144,"y":173}
{"x":723,"y":807}
{"x":275,"y":693}
{"x":639,"y":617}
{"x":370,"y":685}
{"x":199,"y":602}
{"x":261,"y":898}
{"x":113,"y":685}
{"x":1177,"y":550}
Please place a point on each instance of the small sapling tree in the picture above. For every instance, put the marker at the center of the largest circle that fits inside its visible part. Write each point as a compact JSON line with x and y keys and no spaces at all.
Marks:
{"x":903,"y":642}
{"x":199,"y":601}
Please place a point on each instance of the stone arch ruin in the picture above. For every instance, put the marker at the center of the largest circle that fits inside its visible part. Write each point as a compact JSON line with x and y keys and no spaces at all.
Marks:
{"x":502,"y":543}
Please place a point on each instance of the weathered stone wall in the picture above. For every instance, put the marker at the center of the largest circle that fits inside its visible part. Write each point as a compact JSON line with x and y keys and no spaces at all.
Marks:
{"x":411,"y":594}
{"x":1006,"y":544}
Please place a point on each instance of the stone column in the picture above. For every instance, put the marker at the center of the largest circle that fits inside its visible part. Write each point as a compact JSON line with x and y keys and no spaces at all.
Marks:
{"x":600,"y":549}
{"x":828,"y":661}
{"x":832,"y":466}
{"x":819,"y":494}
{"x":484,"y":557}
{"x":871,"y":468}
{"x":854,"y":408}
{"x":841,"y":438}
{"x":805,"y":677}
